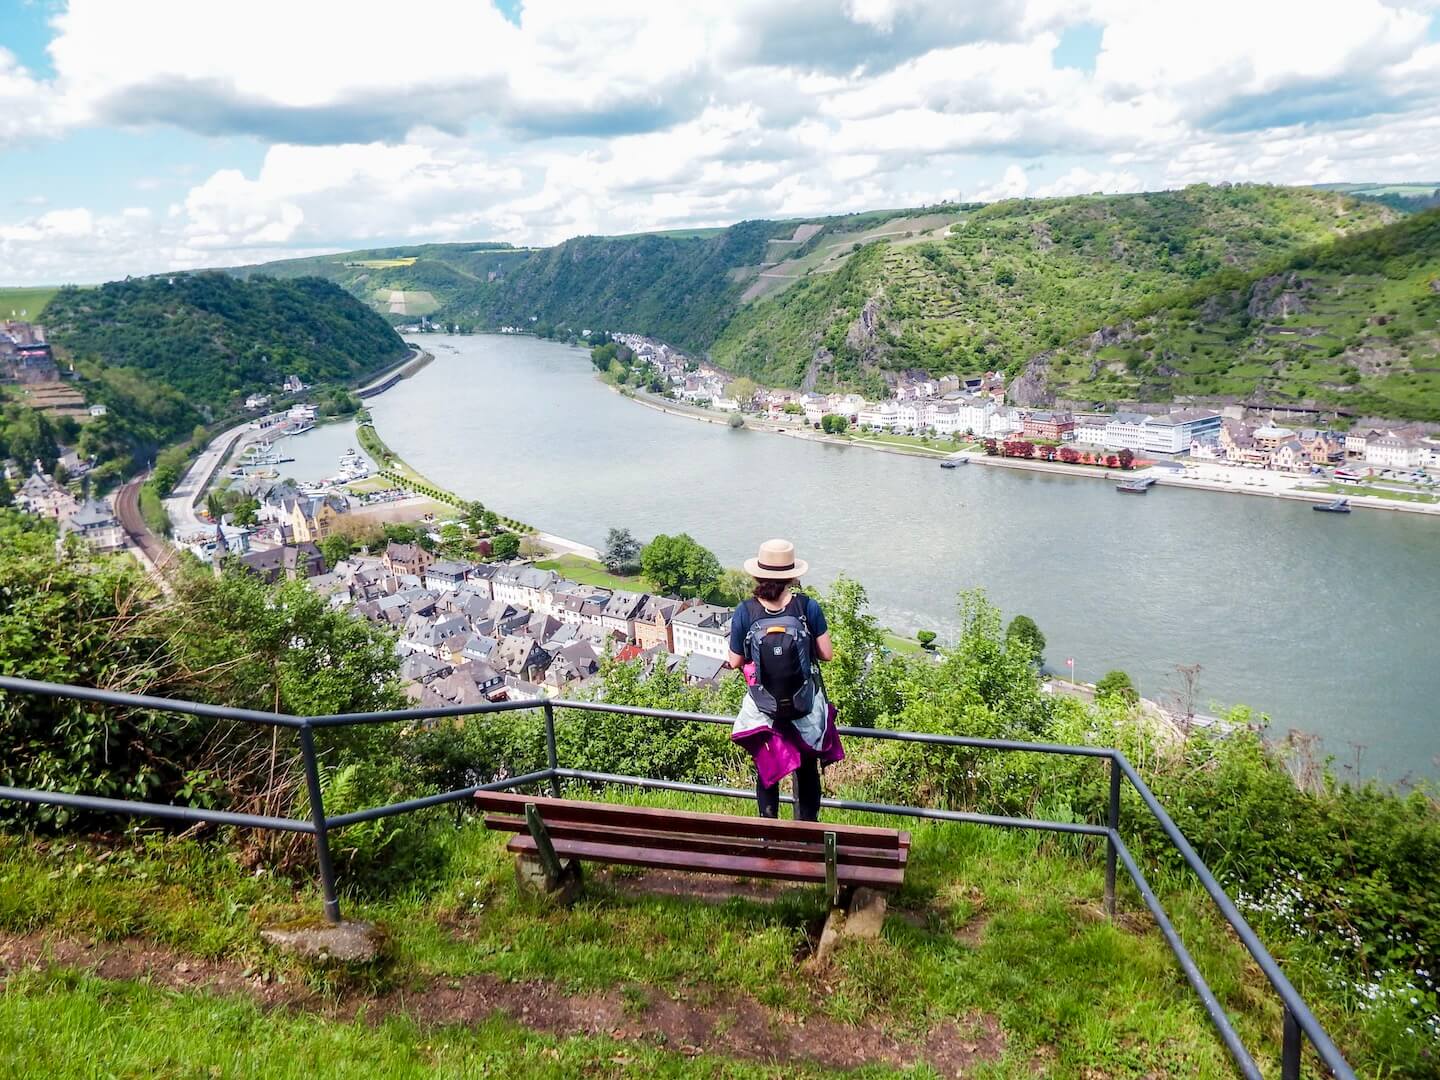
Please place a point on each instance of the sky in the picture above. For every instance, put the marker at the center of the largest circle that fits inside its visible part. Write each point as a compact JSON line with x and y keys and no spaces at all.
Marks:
{"x":138,"y":136}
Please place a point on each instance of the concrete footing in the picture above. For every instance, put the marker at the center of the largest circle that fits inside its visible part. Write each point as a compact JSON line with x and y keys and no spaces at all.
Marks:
{"x":532,"y":880}
{"x":341,"y":943}
{"x":863,"y":916}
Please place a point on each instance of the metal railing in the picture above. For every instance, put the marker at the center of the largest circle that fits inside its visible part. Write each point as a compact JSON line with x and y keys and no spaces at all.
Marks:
{"x":1298,"y":1022}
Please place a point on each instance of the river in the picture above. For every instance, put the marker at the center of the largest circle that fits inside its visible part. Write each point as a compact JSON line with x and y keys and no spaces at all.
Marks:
{"x":1328,"y":623}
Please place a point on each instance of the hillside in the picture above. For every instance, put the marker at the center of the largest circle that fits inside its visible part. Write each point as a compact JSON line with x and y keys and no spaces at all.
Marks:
{"x":852,"y":300}
{"x":1353,"y":324}
{"x":1010,"y":279}
{"x":215,"y":338}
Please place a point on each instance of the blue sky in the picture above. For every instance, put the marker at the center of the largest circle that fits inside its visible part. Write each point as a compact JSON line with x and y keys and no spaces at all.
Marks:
{"x":144,"y":135}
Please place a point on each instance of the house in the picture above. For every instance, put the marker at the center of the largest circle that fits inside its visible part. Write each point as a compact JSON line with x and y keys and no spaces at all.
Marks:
{"x":1271,"y":436}
{"x":1092,"y":428}
{"x":620,"y":612}
{"x":96,"y":524}
{"x":1289,"y":456}
{"x":406,"y":559}
{"x":521,"y":655}
{"x":701,"y":670}
{"x":704,"y":629}
{"x":41,"y":496}
{"x":518,"y":689}
{"x":469,"y":684}
{"x":446,"y":576}
{"x":257,"y":401}
{"x":292,"y":384}
{"x":433,"y":635}
{"x":574,"y":663}
{"x":652,"y":622}
{"x":1356,"y":441}
{"x":312,"y":518}
{"x":418,"y":667}
{"x":290,"y":561}
{"x":98,"y":411}
{"x":1047,"y":425}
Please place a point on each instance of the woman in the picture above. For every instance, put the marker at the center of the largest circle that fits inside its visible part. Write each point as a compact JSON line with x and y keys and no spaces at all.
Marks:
{"x":776,"y":638}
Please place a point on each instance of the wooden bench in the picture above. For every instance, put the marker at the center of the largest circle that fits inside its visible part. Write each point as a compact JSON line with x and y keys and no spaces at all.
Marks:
{"x":840,"y":857}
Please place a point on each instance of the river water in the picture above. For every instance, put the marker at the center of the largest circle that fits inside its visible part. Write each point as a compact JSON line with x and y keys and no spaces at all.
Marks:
{"x":1328,"y":623}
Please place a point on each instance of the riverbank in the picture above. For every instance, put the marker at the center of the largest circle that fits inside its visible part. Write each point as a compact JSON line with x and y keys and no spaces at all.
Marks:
{"x":1202,"y":477}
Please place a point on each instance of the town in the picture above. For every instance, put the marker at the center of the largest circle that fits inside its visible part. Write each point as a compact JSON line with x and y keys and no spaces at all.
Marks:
{"x":974,"y":411}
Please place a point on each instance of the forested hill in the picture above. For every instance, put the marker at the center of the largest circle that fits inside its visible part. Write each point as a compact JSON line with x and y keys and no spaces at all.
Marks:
{"x":215,"y":338}
{"x":998,"y":284}
{"x":1353,"y":324}
{"x":841,"y":300}
{"x":678,"y":288}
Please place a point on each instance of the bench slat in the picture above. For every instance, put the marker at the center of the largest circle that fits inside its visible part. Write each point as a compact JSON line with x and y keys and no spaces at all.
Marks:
{"x":609,"y":834}
{"x":700,"y":862}
{"x":662,"y":820}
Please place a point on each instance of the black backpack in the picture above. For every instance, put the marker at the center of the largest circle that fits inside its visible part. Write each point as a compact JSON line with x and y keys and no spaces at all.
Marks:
{"x":779,"y":646}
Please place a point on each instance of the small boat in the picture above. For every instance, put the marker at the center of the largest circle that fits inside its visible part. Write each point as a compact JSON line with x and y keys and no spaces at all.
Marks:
{"x":1339,"y":506}
{"x":1135,"y":487}
{"x":949,"y":464}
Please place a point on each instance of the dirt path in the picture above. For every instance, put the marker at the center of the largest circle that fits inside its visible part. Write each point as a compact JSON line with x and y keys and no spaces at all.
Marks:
{"x":692,"y":1021}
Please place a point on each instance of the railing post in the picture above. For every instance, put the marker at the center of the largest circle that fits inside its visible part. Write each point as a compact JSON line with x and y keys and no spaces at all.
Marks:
{"x":1113,"y":822}
{"x":317,"y":816}
{"x":1290,"y":1047}
{"x":551,"y":755}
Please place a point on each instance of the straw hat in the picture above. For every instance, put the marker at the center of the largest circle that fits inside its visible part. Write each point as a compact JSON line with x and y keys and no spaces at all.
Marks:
{"x":776,"y":560}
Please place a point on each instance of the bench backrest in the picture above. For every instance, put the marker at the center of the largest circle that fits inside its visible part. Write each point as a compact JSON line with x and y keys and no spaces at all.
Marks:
{"x":660,"y":820}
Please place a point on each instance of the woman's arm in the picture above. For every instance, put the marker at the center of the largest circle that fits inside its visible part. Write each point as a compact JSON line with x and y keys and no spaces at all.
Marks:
{"x":736,"y":661}
{"x":824,"y":647}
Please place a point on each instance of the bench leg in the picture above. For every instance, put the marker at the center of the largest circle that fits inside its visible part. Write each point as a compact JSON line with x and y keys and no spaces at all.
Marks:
{"x":544,"y":872}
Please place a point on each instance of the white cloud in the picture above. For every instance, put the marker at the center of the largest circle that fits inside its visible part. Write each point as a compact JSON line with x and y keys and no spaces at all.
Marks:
{"x":444,"y":120}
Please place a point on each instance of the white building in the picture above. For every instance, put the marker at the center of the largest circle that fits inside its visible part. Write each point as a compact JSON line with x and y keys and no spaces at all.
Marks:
{"x":96,"y":524}
{"x":879,"y":414}
{"x":1393,"y":452}
{"x":1090,"y":428}
{"x":703,"y":629}
{"x":257,"y":401}
{"x":975,"y":414}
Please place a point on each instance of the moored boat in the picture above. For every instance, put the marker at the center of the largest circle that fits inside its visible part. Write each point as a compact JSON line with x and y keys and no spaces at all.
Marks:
{"x":1339,"y":506}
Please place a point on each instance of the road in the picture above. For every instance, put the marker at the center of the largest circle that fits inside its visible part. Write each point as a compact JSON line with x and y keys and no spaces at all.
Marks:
{"x":180,"y":505}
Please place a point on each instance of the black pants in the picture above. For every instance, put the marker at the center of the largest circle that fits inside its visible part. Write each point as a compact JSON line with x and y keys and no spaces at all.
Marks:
{"x":807,"y":793}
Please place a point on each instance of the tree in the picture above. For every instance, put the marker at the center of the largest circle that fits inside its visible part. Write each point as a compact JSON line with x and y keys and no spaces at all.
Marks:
{"x":834,"y":424}
{"x":336,"y":547}
{"x":733,"y":587}
{"x":622,"y":552}
{"x":1023,"y":635}
{"x":1126,"y":458}
{"x":453,"y":543}
{"x":736,"y":420}
{"x":489,"y":522}
{"x":505,"y":545}
{"x":864,"y":680}
{"x":245,"y":512}
{"x":214,"y":506}
{"x":742,"y":390}
{"x":1117,"y":684}
{"x":1069,"y":455}
{"x":926,"y":639}
{"x":678,"y":565}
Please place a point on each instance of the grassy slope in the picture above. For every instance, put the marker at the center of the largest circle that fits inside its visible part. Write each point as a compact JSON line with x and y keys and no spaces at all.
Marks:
{"x":1001,"y":924}
{"x":1366,"y":335}
{"x":26,"y":303}
{"x":1014,"y":278}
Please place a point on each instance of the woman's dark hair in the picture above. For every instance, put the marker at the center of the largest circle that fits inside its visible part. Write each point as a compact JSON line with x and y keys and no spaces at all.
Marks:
{"x":771,"y":589}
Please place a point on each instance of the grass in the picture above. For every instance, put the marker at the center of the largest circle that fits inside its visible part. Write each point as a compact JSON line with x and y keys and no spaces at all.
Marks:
{"x":1377,"y":492}
{"x":152,"y":509}
{"x":49,"y":1024}
{"x":26,"y":303}
{"x":589,"y":572}
{"x":904,"y":442}
{"x":1004,"y":924}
